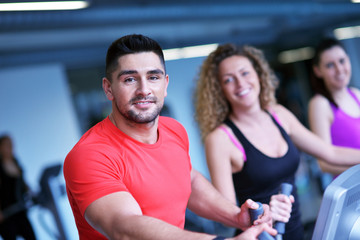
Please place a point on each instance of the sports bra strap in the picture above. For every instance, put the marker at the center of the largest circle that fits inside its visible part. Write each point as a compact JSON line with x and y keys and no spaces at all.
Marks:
{"x":236,"y":143}
{"x":354,"y":96}
{"x":275,"y":116}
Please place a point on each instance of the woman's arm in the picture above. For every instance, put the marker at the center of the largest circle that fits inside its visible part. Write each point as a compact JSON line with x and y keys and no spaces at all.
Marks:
{"x":218,"y":148}
{"x":221,"y":153}
{"x":207,"y":202}
{"x":312,"y":144}
{"x":320,"y":118}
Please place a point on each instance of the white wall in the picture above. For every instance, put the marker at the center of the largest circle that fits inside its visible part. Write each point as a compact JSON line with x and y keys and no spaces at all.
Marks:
{"x":182,"y":81}
{"x":37,"y":111}
{"x":353,"y":48}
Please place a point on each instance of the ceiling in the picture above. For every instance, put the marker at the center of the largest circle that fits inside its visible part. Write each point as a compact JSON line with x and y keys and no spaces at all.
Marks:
{"x":79,"y":38}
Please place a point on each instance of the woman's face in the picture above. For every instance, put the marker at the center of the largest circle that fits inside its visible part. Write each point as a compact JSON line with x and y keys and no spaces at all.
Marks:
{"x":334,"y":68}
{"x":239,"y":81}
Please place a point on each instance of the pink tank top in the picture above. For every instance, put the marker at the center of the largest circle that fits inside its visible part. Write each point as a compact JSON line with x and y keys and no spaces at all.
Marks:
{"x":236,"y":143}
{"x":345,"y":130}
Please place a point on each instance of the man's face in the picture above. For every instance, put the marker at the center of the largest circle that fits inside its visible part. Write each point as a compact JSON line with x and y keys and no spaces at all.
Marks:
{"x":138,"y":87}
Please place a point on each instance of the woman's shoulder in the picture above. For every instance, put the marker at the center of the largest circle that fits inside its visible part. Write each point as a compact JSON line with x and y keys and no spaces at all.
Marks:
{"x":283,"y":116}
{"x":218,"y":134}
{"x":319,"y":98}
{"x":277,"y":109}
{"x":218,"y":131}
{"x":319,"y":104}
{"x":356,"y":91}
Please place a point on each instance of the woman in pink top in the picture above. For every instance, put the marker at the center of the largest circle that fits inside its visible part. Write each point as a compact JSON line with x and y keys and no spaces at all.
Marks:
{"x":334,"y":110}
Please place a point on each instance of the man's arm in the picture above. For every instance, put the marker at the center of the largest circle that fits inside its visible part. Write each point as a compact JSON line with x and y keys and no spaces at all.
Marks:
{"x":118,"y":216}
{"x":207,"y":202}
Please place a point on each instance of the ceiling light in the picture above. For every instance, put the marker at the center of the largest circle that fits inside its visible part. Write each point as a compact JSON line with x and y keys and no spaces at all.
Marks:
{"x":296,"y":55}
{"x":43,"y":6}
{"x":347,"y":32}
{"x":355,"y":1}
{"x":189,"y":52}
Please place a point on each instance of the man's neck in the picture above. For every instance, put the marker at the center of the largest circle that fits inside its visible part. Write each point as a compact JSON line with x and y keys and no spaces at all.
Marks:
{"x":142,"y":132}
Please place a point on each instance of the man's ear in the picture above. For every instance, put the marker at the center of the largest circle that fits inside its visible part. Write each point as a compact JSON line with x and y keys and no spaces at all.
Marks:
{"x":106,"y":84}
{"x":166,"y":84}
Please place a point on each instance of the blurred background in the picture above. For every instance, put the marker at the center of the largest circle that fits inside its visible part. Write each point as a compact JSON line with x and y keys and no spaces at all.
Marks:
{"x":52,"y":63}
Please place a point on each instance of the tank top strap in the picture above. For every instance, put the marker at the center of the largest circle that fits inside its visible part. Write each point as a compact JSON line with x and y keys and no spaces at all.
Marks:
{"x":239,"y":135}
{"x":354,"y":96}
{"x":274,"y":116}
{"x":235,"y":142}
{"x":333,"y":107}
{"x":277,"y":122}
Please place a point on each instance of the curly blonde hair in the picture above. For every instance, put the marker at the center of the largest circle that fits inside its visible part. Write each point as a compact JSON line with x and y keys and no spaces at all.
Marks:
{"x":211,"y":105}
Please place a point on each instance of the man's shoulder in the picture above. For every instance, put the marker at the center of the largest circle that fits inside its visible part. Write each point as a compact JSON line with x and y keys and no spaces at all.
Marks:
{"x":173,"y":128}
{"x":96,"y":138}
{"x":169,"y":122}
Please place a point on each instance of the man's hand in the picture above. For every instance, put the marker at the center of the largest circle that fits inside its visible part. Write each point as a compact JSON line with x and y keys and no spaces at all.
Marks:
{"x":280,"y":207}
{"x":244,"y":215}
{"x":253,"y":232}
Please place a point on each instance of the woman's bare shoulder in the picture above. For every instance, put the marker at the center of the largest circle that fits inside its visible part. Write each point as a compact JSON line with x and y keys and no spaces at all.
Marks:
{"x":356,"y":91}
{"x":217,"y":134}
{"x":318,"y":100}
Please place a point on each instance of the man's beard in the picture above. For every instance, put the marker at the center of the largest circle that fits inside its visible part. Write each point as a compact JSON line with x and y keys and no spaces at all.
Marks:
{"x":141,"y":117}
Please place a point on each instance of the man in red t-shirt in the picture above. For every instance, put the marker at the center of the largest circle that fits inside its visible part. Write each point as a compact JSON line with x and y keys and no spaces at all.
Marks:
{"x":130,"y":176}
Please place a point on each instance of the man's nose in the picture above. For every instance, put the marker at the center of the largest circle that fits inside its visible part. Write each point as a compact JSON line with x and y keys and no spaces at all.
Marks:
{"x":143,"y":87}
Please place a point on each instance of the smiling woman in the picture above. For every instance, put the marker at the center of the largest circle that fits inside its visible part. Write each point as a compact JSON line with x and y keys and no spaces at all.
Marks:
{"x":261,"y":145}
{"x":254,"y":155}
{"x":334,"y":110}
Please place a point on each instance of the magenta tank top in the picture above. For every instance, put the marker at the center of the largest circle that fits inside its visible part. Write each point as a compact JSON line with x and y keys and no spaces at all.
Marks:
{"x":345,"y":130}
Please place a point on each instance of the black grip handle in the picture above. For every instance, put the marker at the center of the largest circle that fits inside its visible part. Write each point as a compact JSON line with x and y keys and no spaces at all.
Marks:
{"x":254,"y":214}
{"x":286,"y":189}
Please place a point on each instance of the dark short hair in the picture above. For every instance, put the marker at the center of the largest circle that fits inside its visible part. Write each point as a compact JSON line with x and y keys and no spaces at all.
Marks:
{"x":129,"y":44}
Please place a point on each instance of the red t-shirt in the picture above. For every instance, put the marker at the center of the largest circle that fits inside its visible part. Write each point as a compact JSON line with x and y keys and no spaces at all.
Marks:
{"x":105,"y":160}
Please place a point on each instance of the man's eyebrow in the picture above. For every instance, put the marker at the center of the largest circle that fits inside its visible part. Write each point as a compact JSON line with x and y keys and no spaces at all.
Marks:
{"x":126,"y":72}
{"x":156,"y":71}
{"x":129,"y":72}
